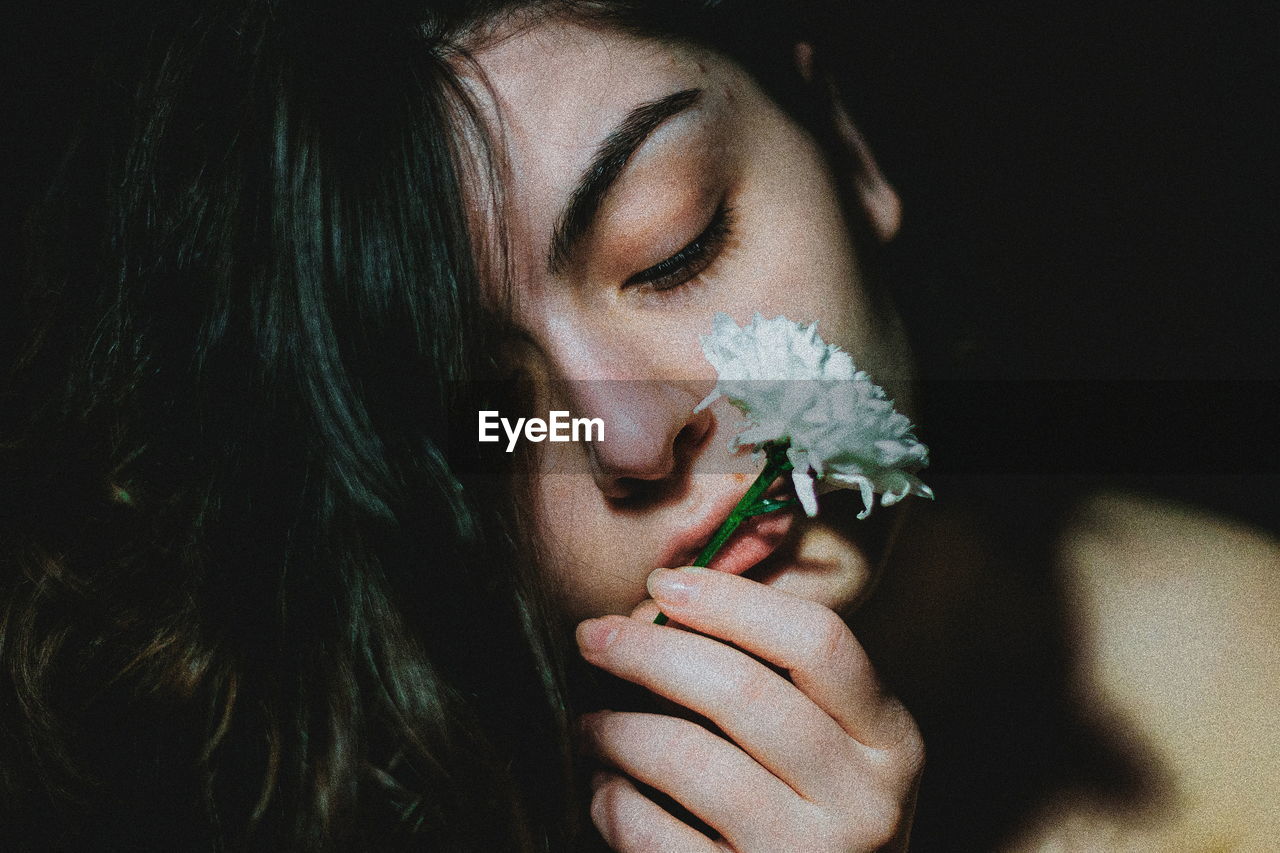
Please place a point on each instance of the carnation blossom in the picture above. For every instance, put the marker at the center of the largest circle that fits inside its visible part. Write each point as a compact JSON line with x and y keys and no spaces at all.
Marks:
{"x":840,"y":429}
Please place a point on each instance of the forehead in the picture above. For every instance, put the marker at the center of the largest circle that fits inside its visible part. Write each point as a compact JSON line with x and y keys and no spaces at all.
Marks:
{"x":552,"y":92}
{"x":558,"y":86}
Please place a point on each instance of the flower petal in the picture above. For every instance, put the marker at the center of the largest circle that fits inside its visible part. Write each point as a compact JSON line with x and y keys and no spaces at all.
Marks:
{"x":803,"y":482}
{"x":797,"y":390}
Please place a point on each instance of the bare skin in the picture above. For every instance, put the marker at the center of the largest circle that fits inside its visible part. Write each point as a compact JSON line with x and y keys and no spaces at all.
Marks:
{"x":1179,"y":619}
{"x":1172,"y":619}
{"x":811,"y":753}
{"x":824,"y":755}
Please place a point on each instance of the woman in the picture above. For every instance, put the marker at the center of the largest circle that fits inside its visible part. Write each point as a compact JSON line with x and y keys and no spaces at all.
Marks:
{"x":271,"y":594}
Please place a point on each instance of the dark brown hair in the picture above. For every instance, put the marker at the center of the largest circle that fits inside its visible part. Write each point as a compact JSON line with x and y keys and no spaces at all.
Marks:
{"x":252,"y":594}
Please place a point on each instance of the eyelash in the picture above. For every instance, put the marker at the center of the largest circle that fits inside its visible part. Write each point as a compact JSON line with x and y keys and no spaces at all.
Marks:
{"x":691,"y":261}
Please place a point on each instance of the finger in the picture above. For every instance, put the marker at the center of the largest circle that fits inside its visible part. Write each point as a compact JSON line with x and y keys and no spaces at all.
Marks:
{"x":808,"y":640}
{"x":709,"y":776}
{"x":630,"y":822}
{"x":758,"y":709}
{"x":646,"y":610}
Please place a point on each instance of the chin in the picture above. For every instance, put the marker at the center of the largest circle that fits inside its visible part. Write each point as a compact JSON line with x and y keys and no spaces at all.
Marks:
{"x":834,"y":559}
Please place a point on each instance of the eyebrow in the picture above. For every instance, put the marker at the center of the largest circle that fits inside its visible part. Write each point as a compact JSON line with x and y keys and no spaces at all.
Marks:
{"x":606,"y":166}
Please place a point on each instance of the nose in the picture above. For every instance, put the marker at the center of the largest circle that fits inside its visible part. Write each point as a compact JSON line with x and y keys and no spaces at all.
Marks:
{"x":651,"y":433}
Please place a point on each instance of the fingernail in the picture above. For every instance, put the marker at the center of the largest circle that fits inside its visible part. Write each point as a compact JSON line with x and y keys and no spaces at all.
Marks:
{"x":595,"y":635}
{"x":672,"y":586}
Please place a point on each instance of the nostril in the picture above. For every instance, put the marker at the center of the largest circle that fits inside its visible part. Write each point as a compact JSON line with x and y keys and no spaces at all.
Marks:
{"x":692,"y":436}
{"x":641,"y":461}
{"x":634,"y":491}
{"x":687,"y":441}
{"x":626,"y":479}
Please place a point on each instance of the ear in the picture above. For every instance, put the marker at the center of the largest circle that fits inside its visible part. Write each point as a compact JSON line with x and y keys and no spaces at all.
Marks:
{"x":879,"y":199}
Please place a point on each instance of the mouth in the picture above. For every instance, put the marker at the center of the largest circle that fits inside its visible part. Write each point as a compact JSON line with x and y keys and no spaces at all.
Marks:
{"x":755,"y":540}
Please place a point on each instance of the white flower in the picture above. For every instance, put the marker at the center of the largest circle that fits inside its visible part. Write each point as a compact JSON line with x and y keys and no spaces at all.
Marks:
{"x":795,"y":388}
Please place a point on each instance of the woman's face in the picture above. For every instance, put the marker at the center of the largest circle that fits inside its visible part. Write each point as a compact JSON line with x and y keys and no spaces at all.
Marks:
{"x":649,"y":186}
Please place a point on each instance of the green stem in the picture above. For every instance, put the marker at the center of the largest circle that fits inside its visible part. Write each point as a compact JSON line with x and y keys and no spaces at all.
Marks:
{"x":751,"y":504}
{"x":767,"y":506}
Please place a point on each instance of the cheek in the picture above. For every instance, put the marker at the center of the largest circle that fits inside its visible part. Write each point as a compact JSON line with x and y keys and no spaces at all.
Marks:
{"x":801,"y":262}
{"x":563,"y":529}
{"x":580,"y":547}
{"x":559,"y":497}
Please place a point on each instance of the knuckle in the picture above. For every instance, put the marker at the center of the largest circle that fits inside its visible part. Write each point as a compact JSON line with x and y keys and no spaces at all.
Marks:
{"x":905,"y":748}
{"x":829,"y":637}
{"x":882,"y":823}
{"x":913,"y":752}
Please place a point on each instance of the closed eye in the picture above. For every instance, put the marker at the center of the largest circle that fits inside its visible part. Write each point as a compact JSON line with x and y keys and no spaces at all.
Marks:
{"x":688,"y":263}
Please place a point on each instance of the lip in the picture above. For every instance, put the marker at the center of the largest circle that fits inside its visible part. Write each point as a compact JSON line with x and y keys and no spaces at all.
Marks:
{"x":754,"y":540}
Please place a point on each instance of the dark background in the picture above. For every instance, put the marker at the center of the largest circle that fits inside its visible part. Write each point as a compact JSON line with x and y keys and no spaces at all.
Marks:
{"x":1088,"y":267}
{"x":1088,"y":261}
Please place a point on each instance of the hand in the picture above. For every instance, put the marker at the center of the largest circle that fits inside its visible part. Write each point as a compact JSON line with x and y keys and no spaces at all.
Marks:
{"x":823,"y":761}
